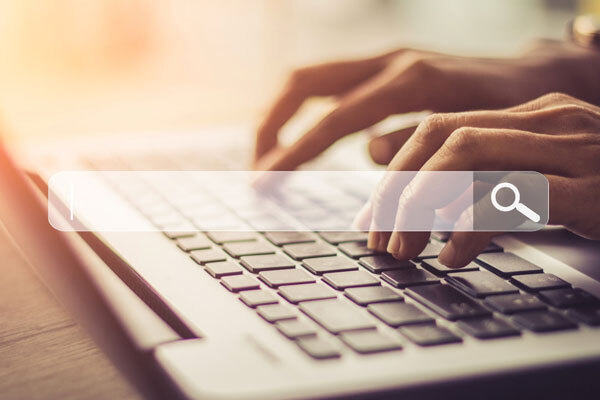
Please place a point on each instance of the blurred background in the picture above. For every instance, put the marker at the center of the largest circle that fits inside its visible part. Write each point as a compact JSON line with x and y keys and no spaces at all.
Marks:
{"x":86,"y":67}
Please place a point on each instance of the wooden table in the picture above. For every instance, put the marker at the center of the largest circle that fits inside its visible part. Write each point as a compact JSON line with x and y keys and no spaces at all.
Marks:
{"x":44,"y":354}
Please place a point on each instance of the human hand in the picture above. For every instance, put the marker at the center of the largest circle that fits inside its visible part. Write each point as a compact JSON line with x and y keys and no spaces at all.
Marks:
{"x":369,"y":90}
{"x":556,"y":135}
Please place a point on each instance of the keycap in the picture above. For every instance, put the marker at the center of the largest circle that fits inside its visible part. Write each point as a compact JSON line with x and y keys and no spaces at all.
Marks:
{"x":285,"y":277}
{"x":537,"y":282}
{"x":336,"y":316}
{"x":240,"y":249}
{"x":563,"y":298}
{"x":341,"y":237}
{"x":343,"y":280}
{"x":221,"y":237}
{"x":372,"y":294}
{"x":194,"y":243}
{"x":294,"y":328}
{"x":306,"y":292}
{"x":433,"y":265}
{"x":236,"y":283}
{"x":301,"y":251}
{"x":223,"y":268}
{"x":356,"y":249}
{"x":587,"y":315}
{"x":409,"y":277}
{"x":178,"y":234}
{"x":398,"y":313}
{"x":447,"y":301}
{"x":492,"y":248}
{"x":543,"y":321}
{"x":266,"y":262}
{"x":322,"y":265}
{"x":429,"y":335}
{"x":275,"y":312}
{"x":513,"y":303}
{"x":254,"y":298}
{"x":318,"y":348}
{"x":283,"y":237}
{"x":432,"y":250}
{"x":488,"y":328}
{"x":507,"y":264}
{"x":481,"y":283}
{"x":208,"y":256}
{"x":370,"y":341}
{"x":384,"y":262}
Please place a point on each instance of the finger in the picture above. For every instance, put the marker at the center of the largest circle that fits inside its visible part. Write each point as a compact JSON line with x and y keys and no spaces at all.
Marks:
{"x":357,"y":111}
{"x":472,"y":149}
{"x":383,"y":148}
{"x":464,"y":247}
{"x":320,"y":80}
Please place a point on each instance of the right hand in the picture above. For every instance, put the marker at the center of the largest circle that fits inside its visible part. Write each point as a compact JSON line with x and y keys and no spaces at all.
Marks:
{"x":371,"y":89}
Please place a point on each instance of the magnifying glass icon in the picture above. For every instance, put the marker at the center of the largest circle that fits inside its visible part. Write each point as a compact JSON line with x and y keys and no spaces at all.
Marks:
{"x":516,"y":204}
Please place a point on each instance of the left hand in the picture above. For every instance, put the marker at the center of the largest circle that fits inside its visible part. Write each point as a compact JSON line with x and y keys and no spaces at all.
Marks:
{"x":556,"y":135}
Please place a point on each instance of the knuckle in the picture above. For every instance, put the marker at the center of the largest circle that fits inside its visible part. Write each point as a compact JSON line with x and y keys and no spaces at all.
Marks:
{"x":462,"y":140}
{"x":556,"y":98}
{"x":299,"y":77}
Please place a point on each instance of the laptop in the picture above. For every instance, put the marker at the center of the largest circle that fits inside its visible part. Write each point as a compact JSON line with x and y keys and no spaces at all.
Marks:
{"x":286,"y":315}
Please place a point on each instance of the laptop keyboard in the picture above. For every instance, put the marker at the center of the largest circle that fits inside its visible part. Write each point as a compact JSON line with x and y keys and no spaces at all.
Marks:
{"x":325,"y":290}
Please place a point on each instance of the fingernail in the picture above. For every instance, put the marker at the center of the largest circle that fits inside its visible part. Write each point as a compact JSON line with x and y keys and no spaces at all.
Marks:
{"x":394,"y":244}
{"x":373,"y":240}
{"x":449,"y":254}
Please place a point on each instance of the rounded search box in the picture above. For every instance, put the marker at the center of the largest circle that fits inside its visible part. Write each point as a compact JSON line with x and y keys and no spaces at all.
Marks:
{"x":516,"y":204}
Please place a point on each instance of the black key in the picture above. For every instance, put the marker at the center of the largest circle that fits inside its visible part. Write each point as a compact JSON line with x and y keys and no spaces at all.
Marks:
{"x":372,"y":294}
{"x":370,"y":341}
{"x":285,"y":277}
{"x":194,"y":243}
{"x":488,"y":328}
{"x":384,"y":262}
{"x":341,"y":237}
{"x":275,"y":312}
{"x":356,"y":249}
{"x":429,"y":335}
{"x":318,"y":348}
{"x":513,"y":303}
{"x":343,"y":280}
{"x":223,"y":268}
{"x":447,"y":301}
{"x":336,"y":316}
{"x":433,"y":265}
{"x":537,"y":282}
{"x":563,"y":298}
{"x":399,"y":314}
{"x":293,"y":328}
{"x":409,"y":277}
{"x":240,"y":249}
{"x":306,"y":292}
{"x":543,"y":321}
{"x":507,"y":264}
{"x":301,"y":251}
{"x":432,"y":250}
{"x":586,"y":315}
{"x":208,"y":256}
{"x":481,"y":283}
{"x":254,"y":298}
{"x":221,"y":237}
{"x":237,"y":283}
{"x":266,"y":262}
{"x":323,"y":265}
{"x":284,"y":237}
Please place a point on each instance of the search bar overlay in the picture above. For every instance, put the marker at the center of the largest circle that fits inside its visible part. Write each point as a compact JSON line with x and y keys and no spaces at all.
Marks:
{"x":184,"y":201}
